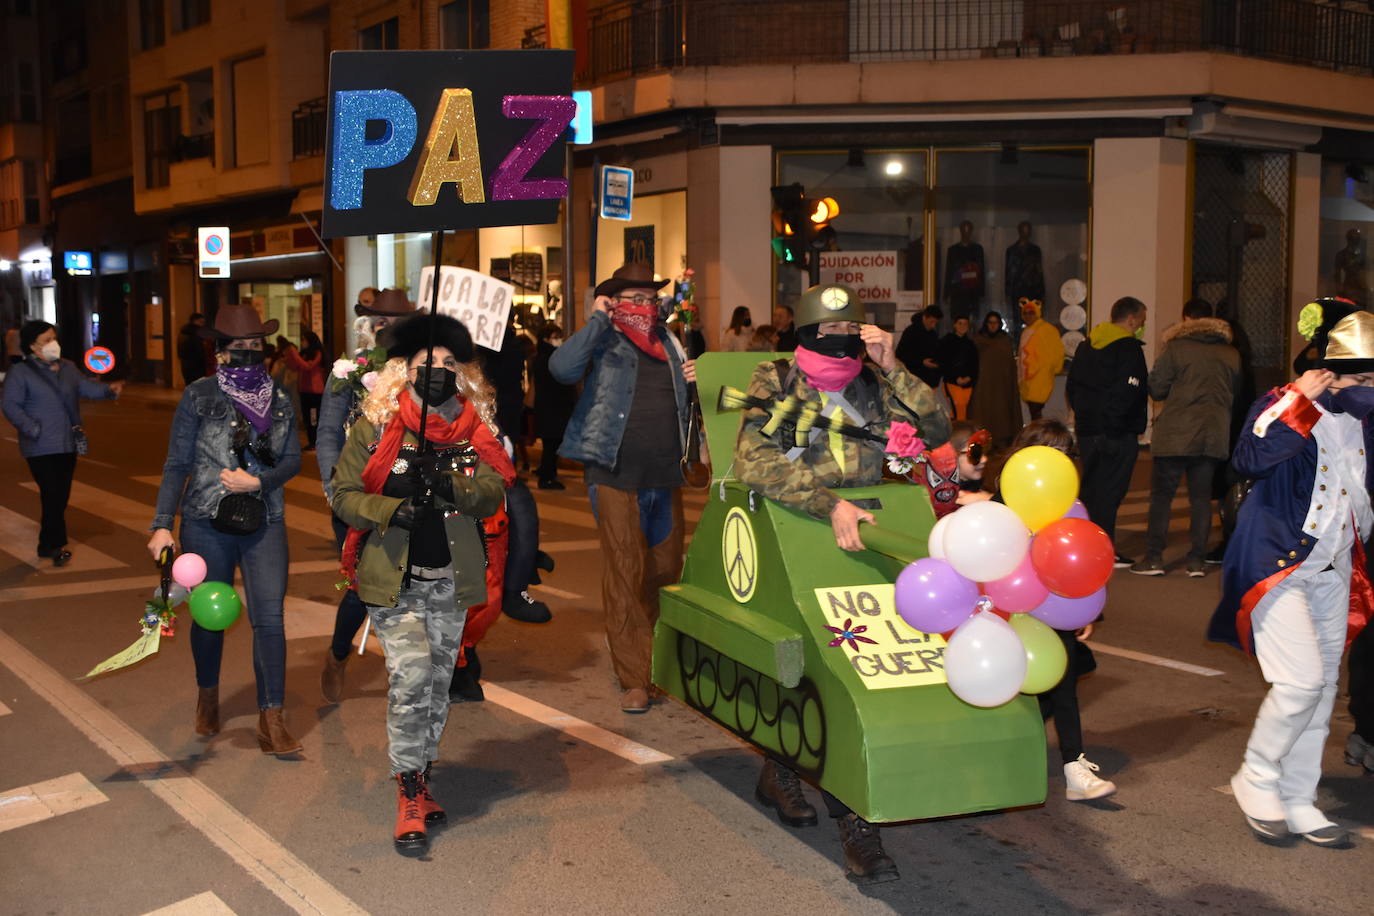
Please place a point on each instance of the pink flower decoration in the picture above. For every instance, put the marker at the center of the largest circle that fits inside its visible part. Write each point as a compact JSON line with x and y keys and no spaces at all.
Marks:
{"x":369,"y":379}
{"x":362,"y":360}
{"x":849,"y":635}
{"x":903,"y":442}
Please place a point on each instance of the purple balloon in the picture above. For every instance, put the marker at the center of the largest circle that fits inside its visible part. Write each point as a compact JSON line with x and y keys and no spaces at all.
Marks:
{"x":1078,"y":510}
{"x":1071,"y":613}
{"x":932,"y":597}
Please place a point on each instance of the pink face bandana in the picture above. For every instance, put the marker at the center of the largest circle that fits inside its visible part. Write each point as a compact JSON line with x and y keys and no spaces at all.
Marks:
{"x":828,"y":373}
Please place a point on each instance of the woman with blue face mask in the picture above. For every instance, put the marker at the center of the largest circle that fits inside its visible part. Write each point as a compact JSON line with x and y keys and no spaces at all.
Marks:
{"x":43,"y":400}
{"x":233,"y":447}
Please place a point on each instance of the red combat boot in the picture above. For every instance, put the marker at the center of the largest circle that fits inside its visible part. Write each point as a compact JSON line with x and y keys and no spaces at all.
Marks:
{"x":429,"y":806}
{"x":410,"y":838}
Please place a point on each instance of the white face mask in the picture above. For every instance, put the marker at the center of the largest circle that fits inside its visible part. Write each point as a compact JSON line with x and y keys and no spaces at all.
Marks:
{"x":50,"y":351}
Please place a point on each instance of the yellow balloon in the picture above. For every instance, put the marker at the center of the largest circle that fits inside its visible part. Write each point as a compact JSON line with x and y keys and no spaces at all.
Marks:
{"x":1039,"y":484}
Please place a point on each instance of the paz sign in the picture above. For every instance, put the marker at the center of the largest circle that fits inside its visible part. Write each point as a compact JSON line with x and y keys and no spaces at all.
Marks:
{"x":426,"y":140}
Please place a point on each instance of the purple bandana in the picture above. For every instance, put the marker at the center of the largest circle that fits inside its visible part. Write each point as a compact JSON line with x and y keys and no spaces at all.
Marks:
{"x":250,"y":388}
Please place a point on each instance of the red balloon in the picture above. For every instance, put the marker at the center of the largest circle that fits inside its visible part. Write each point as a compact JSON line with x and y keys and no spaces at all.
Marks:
{"x":1073,"y":557}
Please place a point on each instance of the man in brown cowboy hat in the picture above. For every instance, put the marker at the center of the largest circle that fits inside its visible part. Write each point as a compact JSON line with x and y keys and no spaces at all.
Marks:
{"x":630,"y":429}
{"x":338,"y":409}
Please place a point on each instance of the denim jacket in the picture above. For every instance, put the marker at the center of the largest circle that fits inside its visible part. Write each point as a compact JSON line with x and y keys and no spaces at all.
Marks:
{"x":199,"y":448}
{"x":336,"y":409}
{"x":598,"y":422}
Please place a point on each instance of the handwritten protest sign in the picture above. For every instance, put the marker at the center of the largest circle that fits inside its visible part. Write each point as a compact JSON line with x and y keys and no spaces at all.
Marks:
{"x":892,"y":653}
{"x":480,"y":302}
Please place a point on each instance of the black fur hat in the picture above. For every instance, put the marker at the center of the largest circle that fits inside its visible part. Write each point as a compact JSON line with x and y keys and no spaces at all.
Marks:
{"x":411,"y":336}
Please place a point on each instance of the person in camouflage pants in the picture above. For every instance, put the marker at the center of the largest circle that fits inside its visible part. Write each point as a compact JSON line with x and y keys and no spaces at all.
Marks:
{"x":828,"y":367}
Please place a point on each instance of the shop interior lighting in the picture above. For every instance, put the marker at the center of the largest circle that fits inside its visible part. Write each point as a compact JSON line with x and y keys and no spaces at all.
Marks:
{"x":893,"y":167}
{"x":4,"y":265}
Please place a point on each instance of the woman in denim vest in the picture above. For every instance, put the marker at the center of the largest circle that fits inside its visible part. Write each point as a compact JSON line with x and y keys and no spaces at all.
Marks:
{"x":235,"y":433}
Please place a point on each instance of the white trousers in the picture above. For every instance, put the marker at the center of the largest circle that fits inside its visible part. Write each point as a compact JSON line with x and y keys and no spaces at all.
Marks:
{"x":1299,"y":636}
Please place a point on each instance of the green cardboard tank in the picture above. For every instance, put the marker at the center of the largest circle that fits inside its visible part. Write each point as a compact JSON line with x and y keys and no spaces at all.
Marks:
{"x":763,"y":636}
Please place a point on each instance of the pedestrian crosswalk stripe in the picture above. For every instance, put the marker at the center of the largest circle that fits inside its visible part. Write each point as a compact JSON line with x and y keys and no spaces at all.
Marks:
{"x":42,"y":800}
{"x":1154,"y":660}
{"x":149,"y":581}
{"x":274,"y":866}
{"x":4,"y":710}
{"x":558,"y":592}
{"x":19,"y":535}
{"x":568,"y":546}
{"x":206,"y":904}
{"x":594,"y":735}
{"x":307,"y":521}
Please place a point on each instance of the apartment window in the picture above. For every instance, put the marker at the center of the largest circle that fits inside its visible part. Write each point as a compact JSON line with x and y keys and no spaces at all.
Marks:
{"x":23,"y":7}
{"x":73,"y":139}
{"x":250,"y":131}
{"x":384,"y":36}
{"x":464,"y":24}
{"x":18,"y":193}
{"x":161,"y":127}
{"x":191,"y":13}
{"x":152,"y":23}
{"x":26,"y":91}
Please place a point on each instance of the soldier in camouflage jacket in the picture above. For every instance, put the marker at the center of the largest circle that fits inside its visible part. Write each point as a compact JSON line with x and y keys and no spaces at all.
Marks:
{"x":829,"y":367}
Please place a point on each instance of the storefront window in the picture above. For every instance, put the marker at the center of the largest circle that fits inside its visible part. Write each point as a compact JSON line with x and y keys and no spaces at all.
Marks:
{"x":297,"y":305}
{"x":657,"y":236}
{"x":1347,"y":219}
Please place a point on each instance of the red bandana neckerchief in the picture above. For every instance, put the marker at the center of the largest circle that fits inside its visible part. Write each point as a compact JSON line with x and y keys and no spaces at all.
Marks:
{"x":637,"y":323}
{"x":466,"y":427}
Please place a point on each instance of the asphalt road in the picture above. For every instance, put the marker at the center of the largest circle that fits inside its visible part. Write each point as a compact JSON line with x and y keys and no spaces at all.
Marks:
{"x":109,"y":804}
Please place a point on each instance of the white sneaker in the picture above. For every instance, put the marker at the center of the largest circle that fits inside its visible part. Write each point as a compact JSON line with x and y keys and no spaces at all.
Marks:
{"x":1082,"y":784}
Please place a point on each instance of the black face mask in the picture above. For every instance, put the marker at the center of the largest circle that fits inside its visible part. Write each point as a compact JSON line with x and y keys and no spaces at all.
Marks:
{"x":834,"y":345}
{"x":241,"y":358}
{"x":436,"y":384}
{"x":747,"y":322}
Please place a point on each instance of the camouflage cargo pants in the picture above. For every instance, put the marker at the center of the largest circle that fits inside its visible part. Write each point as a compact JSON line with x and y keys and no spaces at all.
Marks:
{"x":420,"y":637}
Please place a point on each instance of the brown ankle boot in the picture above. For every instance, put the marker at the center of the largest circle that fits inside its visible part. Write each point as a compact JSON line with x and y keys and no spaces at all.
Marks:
{"x":780,"y":789}
{"x":207,"y":711}
{"x":332,"y":678}
{"x":429,"y":807}
{"x":411,"y":838}
{"x":273,"y":737}
{"x":865,"y":860}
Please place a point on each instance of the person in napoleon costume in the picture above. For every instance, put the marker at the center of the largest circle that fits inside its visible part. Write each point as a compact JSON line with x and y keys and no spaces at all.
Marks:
{"x":234,"y":433}
{"x":414,"y":550}
{"x":1294,"y":586}
{"x":338,"y":409}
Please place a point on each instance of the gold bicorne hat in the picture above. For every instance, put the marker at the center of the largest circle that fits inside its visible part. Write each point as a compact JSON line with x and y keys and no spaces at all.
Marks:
{"x":1350,"y":345}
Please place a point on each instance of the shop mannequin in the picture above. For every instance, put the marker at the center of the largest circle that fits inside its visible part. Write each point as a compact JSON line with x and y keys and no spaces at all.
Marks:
{"x":1024,"y":277}
{"x":965,"y":274}
{"x":1350,"y":269}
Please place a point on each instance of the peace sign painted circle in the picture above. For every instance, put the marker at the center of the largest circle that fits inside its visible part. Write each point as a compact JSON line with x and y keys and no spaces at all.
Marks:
{"x":739,"y":555}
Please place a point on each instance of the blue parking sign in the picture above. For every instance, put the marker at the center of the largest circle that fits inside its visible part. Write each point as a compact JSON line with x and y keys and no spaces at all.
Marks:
{"x":617,"y":192}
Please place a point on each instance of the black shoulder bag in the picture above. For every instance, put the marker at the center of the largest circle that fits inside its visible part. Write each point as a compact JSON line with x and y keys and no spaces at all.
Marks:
{"x":243,"y":513}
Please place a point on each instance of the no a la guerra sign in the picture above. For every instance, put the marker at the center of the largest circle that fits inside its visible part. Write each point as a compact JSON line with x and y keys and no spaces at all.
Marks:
{"x":423,"y":140}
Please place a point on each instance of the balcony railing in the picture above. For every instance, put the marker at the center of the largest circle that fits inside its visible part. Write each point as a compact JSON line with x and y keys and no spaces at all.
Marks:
{"x":640,"y":36}
{"x":307,"y":129}
{"x":536,"y":37}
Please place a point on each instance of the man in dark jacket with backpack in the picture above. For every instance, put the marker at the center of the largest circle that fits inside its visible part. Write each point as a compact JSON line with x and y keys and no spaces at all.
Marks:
{"x":1107,"y":391}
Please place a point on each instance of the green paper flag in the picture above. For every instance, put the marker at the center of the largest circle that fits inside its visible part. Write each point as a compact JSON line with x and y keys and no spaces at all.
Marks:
{"x":146,"y":645}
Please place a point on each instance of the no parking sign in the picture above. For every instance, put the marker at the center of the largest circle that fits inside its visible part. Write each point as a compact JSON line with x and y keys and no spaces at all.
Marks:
{"x":99,"y":360}
{"x":213,"y":253}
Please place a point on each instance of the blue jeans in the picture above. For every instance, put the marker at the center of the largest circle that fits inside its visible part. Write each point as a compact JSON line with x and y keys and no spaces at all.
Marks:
{"x":261,"y":556}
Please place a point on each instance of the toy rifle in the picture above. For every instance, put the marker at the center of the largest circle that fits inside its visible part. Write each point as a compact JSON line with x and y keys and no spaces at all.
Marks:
{"x":793,"y":411}
{"x":695,"y":472}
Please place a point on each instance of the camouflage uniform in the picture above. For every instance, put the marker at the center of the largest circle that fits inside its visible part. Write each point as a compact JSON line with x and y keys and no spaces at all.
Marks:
{"x":420,"y":637}
{"x":762,"y":464}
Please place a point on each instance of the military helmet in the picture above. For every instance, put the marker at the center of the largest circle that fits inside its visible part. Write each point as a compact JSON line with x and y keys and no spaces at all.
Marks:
{"x":828,"y":302}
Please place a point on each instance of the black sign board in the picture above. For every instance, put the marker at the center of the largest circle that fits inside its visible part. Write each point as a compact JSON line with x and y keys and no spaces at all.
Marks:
{"x":639,"y":245}
{"x":422,"y":140}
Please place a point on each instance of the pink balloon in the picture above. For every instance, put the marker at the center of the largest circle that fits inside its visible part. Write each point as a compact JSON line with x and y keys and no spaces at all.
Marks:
{"x":188,"y":570}
{"x":932,"y":597}
{"x":1019,"y":592}
{"x":1071,"y":613}
{"x":1077,"y":510}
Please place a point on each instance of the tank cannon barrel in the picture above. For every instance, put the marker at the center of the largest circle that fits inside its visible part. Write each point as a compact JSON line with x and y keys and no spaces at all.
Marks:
{"x":900,"y":547}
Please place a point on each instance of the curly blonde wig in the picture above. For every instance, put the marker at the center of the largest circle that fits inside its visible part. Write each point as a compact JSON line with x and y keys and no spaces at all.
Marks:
{"x":381,"y":402}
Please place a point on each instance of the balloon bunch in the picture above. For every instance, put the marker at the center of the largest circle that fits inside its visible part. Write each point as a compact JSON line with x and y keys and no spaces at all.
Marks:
{"x":1002,"y":578}
{"x":214,"y":605}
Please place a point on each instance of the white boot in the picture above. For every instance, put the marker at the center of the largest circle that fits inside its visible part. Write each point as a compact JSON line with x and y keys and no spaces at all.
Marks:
{"x":1082,"y":783}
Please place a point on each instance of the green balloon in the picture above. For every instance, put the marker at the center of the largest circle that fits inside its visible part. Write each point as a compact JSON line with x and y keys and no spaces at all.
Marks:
{"x":215,"y":605}
{"x":1046,"y":659}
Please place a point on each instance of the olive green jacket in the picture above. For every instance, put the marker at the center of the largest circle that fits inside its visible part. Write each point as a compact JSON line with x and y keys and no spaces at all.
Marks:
{"x":383,"y":558}
{"x":761,"y":462}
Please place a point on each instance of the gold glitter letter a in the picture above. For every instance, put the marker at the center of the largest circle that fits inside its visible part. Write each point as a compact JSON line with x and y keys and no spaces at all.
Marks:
{"x":454,"y":124}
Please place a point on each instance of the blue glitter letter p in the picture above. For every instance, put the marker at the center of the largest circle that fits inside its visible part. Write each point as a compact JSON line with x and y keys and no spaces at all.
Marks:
{"x":353,"y":153}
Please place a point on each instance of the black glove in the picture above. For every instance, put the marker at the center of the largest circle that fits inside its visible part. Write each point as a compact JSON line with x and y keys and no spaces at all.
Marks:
{"x":432,"y":476}
{"x":407,"y":516}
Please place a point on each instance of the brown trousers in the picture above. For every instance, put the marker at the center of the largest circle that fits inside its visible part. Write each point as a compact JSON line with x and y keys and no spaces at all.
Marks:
{"x":632,"y":573}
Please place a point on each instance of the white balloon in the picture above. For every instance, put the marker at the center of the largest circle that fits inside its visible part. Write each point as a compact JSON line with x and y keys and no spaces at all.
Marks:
{"x":935,"y":543}
{"x":985,"y":541}
{"x":176,"y":593}
{"x":985,"y":662}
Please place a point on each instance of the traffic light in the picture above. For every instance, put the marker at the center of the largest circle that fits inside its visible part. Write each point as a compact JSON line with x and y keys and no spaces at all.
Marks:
{"x":801,"y":226}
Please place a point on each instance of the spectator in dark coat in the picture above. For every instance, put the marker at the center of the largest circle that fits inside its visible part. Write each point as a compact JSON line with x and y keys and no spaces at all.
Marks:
{"x":959,"y":364}
{"x":553,"y":405}
{"x":193,"y":351}
{"x":996,"y":404}
{"x":919,"y":348}
{"x":1196,"y":378}
{"x":1106,"y":390}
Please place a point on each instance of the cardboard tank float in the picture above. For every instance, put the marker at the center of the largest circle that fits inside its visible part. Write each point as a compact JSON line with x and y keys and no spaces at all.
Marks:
{"x":765,"y":634}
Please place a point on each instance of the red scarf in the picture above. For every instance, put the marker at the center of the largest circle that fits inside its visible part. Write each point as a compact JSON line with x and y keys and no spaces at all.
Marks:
{"x":637,"y":323}
{"x":466,"y":427}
